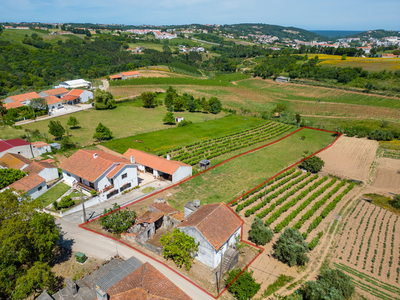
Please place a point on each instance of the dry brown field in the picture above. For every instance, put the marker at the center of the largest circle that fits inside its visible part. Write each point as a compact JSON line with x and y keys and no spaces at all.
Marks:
{"x":387,"y":178}
{"x":350,"y":158}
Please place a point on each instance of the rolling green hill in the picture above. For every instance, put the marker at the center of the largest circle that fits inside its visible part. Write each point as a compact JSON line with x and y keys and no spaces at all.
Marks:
{"x":377,"y":34}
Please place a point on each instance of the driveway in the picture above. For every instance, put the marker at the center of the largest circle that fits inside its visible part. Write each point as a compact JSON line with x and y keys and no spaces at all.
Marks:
{"x":99,"y":247}
{"x":105,"y":85}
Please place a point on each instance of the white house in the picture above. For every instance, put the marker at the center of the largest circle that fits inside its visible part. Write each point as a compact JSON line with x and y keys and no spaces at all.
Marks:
{"x":77,"y":83}
{"x":179,"y":119}
{"x":41,"y":147}
{"x":97,"y":170}
{"x":78,"y":96}
{"x":58,"y":92}
{"x":53,"y":103}
{"x":33,"y":185}
{"x":19,"y":100}
{"x":17,"y":146}
{"x":216,"y":228}
{"x":44,"y":169}
{"x":14,"y":161}
{"x":159,"y":166}
{"x":125,"y":75}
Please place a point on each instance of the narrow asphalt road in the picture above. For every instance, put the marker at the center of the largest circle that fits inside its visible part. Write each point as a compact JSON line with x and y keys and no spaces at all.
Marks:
{"x":99,"y":247}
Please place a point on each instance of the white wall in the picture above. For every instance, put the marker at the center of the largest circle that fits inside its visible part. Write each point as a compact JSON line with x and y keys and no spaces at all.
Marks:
{"x":55,"y":105}
{"x":35,"y":192}
{"x":181,"y":173}
{"x":49,"y":174}
{"x":86,"y":96}
{"x":23,"y":150}
{"x":43,"y":149}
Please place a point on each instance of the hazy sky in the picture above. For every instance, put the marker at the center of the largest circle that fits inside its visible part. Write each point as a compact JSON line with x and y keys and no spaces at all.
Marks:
{"x":312,"y":14}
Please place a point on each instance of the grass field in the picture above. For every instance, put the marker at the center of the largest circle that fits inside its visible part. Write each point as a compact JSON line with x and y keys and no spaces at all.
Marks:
{"x":125,"y":120}
{"x":54,"y":193}
{"x":223,"y":183}
{"x":179,"y":136}
{"x":367,"y":63}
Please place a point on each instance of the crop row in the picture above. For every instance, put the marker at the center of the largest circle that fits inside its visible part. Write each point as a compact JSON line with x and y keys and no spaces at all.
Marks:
{"x":274,"y":195}
{"x":370,"y":238}
{"x":356,"y":235}
{"x":270,"y":189}
{"x":331,"y":206}
{"x":293,"y":202}
{"x":303,"y":205}
{"x":278,"y":202}
{"x":363,"y":235}
{"x":317,"y":205}
{"x":315,"y":240}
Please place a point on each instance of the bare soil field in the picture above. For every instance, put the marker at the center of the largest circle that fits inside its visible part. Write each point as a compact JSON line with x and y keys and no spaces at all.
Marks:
{"x":387,"y":177}
{"x":349,"y":158}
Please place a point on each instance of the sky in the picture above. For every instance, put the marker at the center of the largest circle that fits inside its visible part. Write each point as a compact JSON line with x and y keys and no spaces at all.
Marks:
{"x":310,"y":15}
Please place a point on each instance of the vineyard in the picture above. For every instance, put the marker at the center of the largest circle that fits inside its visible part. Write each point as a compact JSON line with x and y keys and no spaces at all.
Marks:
{"x":295,"y":199}
{"x":369,"y":246}
{"x":192,"y":153}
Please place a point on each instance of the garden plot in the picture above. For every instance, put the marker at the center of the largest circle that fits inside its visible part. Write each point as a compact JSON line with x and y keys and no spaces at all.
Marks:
{"x":349,"y":158}
{"x":387,"y":178}
{"x":369,"y":243}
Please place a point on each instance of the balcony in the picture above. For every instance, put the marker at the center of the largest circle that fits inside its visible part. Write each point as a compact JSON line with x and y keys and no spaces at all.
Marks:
{"x":107,"y":188}
{"x":85,"y":187}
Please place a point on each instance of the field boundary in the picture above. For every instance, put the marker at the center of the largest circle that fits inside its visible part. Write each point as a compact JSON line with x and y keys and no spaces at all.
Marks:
{"x":261,"y":250}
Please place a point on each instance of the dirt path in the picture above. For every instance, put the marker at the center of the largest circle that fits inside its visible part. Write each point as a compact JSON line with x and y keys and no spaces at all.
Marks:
{"x":105,"y":149}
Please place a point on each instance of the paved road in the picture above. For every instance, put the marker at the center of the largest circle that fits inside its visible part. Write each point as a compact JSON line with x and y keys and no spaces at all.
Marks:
{"x":99,"y":247}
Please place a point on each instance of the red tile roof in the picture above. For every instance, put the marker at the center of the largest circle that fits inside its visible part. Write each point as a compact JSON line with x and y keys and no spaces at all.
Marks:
{"x":37,"y":167}
{"x":154,"y":161}
{"x":23,"y":97}
{"x":14,"y":161}
{"x":8,"y":144}
{"x":164,"y":208}
{"x":146,"y":283}
{"x":83,"y":164}
{"x":57,"y":91}
{"x":115,"y":171}
{"x":130,"y":73}
{"x":13,"y":105}
{"x":75,"y":92}
{"x":27,"y":183}
{"x":52,"y":100}
{"x":149,"y":217}
{"x":115,"y":76}
{"x":215,"y":221}
{"x":70,"y":98}
{"x":39,"y":144}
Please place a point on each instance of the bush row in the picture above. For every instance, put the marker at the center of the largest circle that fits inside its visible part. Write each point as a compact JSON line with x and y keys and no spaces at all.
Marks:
{"x":274,"y":195}
{"x":329,"y":208}
{"x":317,"y":205}
{"x":303,"y":205}
{"x":293,"y":202}
{"x":278,"y":202}
{"x":315,"y":240}
{"x":283,"y":176}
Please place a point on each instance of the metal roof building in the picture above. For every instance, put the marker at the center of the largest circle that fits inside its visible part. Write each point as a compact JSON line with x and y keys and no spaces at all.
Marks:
{"x":77,"y":83}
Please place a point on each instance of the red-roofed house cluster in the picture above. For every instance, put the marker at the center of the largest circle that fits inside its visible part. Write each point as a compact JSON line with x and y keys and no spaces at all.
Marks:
{"x":20,"y":146}
{"x":125,"y":75}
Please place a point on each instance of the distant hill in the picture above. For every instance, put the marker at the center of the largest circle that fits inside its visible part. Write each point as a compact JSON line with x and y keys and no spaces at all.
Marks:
{"x":377,"y":34}
{"x":274,"y":30}
{"x":336,"y":33}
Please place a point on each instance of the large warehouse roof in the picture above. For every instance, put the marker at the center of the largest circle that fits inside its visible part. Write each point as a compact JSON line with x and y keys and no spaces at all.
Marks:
{"x":74,"y":83}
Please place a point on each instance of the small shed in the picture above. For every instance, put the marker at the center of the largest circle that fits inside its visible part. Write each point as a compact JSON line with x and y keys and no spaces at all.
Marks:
{"x":179,"y":119}
{"x":55,"y":146}
{"x":282,"y":79}
{"x":204,"y":164}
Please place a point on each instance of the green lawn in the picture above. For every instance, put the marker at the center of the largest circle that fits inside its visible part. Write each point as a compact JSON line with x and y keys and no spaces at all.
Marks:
{"x":54,"y":193}
{"x":231,"y":179}
{"x":125,"y":120}
{"x":179,"y":136}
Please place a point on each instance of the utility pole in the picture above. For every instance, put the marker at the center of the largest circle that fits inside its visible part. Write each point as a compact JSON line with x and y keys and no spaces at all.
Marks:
{"x":265,"y":191}
{"x":30,"y":145}
{"x":83,"y":207}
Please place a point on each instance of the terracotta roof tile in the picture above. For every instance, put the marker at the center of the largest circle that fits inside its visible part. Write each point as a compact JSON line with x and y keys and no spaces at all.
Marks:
{"x":39,"y":144}
{"x":149,"y":217}
{"x":23,"y":97}
{"x":215,"y":221}
{"x":146,"y":282}
{"x":164,"y":208}
{"x":14,"y":161}
{"x":75,"y":92}
{"x":57,"y":91}
{"x":154,"y":161}
{"x":115,"y":76}
{"x":69,"y":98}
{"x":52,"y":100}
{"x":115,"y":170}
{"x":13,"y":105}
{"x":83,"y":164}
{"x":27,"y":183}
{"x":37,"y":167}
{"x":130,"y":73}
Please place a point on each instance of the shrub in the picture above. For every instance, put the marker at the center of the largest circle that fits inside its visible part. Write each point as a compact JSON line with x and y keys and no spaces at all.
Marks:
{"x":313,"y":164}
{"x":395,"y":202}
{"x":291,"y":248}
{"x":184,"y":123}
{"x":93,"y":193}
{"x":259,"y":233}
{"x":245,"y":286}
{"x":65,"y":202}
{"x":118,"y":221}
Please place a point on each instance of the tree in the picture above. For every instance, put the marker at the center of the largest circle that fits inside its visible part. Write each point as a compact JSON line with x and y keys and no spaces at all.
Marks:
{"x":298,"y":118}
{"x":279,"y":108}
{"x":169,"y":118}
{"x":118,"y":221}
{"x":373,"y":51}
{"x":103,"y":100}
{"x":313,"y":164}
{"x":56,"y":129}
{"x":9,"y":176}
{"x":148,"y":99}
{"x":179,"y":103}
{"x":215,"y":105}
{"x":291,"y":248}
{"x":38,"y":104}
{"x":66,"y":143}
{"x":369,"y":86}
{"x":191,"y":105}
{"x":179,"y":247}
{"x":27,"y":237}
{"x":245,"y":286}
{"x":73,"y":122}
{"x":344,"y":56}
{"x":259,"y":233}
{"x":102,"y":133}
{"x":205,"y":106}
{"x":395,"y":202}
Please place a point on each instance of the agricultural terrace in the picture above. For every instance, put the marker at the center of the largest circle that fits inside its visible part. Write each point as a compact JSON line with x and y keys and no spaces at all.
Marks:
{"x":368,"y":249}
{"x":367,"y":63}
{"x":255,"y":96}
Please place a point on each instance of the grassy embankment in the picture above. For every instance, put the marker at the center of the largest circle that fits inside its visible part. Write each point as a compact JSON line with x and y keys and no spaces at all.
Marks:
{"x":223,"y":183}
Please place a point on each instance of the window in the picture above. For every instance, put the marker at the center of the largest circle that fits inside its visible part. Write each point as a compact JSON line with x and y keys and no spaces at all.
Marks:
{"x":91,"y":184}
{"x":124,"y":175}
{"x":40,"y":188}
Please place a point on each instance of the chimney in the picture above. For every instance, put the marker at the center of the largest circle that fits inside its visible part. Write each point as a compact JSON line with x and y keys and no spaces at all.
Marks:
{"x":168,"y":156}
{"x":132,"y":159}
{"x":94,"y":155}
{"x":101,"y":295}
